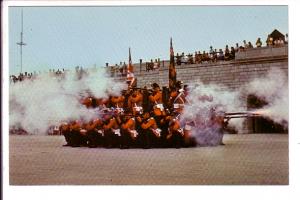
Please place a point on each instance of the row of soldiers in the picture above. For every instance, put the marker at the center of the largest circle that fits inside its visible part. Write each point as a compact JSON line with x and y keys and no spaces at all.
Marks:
{"x":139,"y":118}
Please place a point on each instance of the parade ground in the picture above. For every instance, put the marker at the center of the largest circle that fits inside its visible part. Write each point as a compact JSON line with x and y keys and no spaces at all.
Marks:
{"x":246,"y":159}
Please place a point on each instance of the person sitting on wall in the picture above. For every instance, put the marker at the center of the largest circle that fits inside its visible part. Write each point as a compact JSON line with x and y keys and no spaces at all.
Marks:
{"x":204,"y":57}
{"x":211,"y":51}
{"x":221,"y":55}
{"x":190,"y":59}
{"x":215,"y":55}
{"x":232,"y":54}
{"x":151,"y":65}
{"x":178,"y":59}
{"x":281,"y":42}
{"x":183,"y":59}
{"x":269,"y":41}
{"x":237,"y":47}
{"x":250,"y":45}
{"x":197,"y":60}
{"x":246,"y":46}
{"x":227,"y":53}
{"x":258,"y":42}
{"x":155,"y":65}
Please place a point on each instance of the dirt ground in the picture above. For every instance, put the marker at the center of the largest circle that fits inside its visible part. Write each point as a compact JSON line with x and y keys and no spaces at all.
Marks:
{"x":245,"y":159}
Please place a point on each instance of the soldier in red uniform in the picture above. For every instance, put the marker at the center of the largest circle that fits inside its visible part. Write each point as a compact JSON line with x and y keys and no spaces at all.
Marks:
{"x":175,"y":136}
{"x":128,"y":131}
{"x":156,"y":100}
{"x":150,"y":133}
{"x":77,"y":136}
{"x":94,"y":133}
{"x":65,"y":130}
{"x":112,"y":132}
{"x":135,"y":102}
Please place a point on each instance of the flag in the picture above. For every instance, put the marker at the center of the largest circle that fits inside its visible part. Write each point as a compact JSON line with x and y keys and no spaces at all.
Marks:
{"x":172,"y":69}
{"x":131,"y":80}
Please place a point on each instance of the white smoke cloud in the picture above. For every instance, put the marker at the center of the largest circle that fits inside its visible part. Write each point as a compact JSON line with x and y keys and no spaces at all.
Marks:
{"x":37,"y":104}
{"x":273,"y":88}
{"x":202,"y":99}
{"x":203,"y":102}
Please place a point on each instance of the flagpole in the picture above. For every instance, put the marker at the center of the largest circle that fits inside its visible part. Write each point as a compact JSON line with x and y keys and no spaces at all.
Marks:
{"x":21,"y":43}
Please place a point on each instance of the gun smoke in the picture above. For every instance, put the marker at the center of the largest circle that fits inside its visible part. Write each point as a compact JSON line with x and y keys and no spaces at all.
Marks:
{"x":274,"y":89}
{"x":206,"y":101}
{"x":35,"y":105}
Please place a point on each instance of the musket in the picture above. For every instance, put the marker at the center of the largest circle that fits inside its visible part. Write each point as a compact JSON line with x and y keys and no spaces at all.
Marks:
{"x":245,"y":114}
{"x":138,"y":88}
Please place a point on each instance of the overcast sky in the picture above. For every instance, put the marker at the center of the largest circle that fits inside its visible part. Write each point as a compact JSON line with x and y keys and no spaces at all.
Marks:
{"x":64,"y":37}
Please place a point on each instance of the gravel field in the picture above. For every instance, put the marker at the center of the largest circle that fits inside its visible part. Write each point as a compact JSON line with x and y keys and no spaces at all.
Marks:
{"x":259,"y":159}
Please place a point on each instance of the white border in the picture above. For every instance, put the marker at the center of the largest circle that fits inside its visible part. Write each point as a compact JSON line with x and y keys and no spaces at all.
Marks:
{"x":175,"y":192}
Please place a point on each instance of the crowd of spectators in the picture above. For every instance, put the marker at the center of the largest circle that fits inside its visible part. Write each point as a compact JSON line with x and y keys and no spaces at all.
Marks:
{"x":213,"y":55}
{"x":52,"y":73}
{"x":153,"y":65}
{"x":198,"y":57}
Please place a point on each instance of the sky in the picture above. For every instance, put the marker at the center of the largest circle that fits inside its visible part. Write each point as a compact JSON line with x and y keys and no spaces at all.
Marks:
{"x":65,"y":37}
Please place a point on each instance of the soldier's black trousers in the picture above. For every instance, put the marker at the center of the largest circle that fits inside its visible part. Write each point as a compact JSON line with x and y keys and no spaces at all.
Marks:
{"x":111,"y":140}
{"x":78,"y":139}
{"x":95,"y":139}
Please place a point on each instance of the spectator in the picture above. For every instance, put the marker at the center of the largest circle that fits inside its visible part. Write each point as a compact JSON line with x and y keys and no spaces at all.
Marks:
{"x":245,"y":44}
{"x":190,"y":59}
{"x":269,"y":41}
{"x":281,"y":42}
{"x":258,"y":42}
{"x":227,"y":52}
{"x":221,"y":55}
{"x":211,"y":51}
{"x":215,"y":55}
{"x":232,"y":53}
{"x":183,"y":59}
{"x":250,"y":45}
{"x":155,"y":66}
{"x":286,"y":39}
{"x":204,"y":58}
{"x":237,"y":47}
{"x":178,"y":59}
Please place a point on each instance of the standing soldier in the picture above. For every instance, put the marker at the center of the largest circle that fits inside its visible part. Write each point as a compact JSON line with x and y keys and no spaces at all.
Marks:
{"x":177,"y":98}
{"x":131,"y":80}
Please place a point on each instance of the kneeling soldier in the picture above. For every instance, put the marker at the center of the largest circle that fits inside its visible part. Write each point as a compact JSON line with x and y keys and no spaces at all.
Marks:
{"x":128,"y":132}
{"x":112,"y":132}
{"x":150,"y":131}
